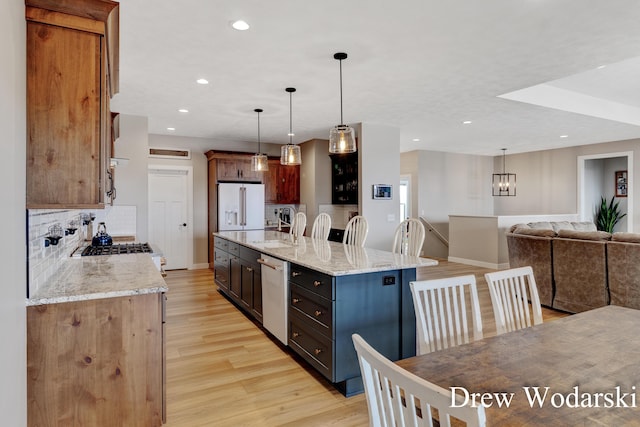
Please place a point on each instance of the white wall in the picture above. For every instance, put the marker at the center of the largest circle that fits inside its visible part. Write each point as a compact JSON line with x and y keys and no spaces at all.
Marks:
{"x":315,"y":177}
{"x":131,"y":179}
{"x":548,"y":183}
{"x":446,"y":184}
{"x":13,"y":370}
{"x":379,"y":163}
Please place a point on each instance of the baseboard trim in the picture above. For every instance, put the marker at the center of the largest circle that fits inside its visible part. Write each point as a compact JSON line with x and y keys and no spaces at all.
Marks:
{"x":201,"y":266}
{"x":476,"y":263}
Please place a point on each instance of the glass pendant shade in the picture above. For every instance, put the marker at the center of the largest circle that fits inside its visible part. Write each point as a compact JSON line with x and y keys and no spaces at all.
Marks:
{"x":259,"y":161}
{"x":342,"y":140}
{"x":290,"y":155}
{"x":503,"y":184}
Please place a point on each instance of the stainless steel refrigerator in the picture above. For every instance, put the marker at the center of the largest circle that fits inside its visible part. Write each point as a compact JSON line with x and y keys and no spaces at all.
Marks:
{"x":240,"y":206}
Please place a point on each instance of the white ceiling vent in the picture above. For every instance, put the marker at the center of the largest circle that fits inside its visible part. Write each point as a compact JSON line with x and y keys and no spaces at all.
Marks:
{"x":170,"y":153}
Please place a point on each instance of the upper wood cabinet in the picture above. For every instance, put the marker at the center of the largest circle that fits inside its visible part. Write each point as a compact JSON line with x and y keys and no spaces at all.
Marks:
{"x":282,"y":183}
{"x":72,"y":51}
{"x":237,"y":169}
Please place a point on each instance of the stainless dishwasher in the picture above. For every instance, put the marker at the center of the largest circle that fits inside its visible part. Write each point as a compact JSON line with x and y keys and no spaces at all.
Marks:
{"x":275,"y":296}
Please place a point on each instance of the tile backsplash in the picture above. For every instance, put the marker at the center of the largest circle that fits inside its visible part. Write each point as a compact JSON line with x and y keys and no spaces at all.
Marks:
{"x":44,"y":261}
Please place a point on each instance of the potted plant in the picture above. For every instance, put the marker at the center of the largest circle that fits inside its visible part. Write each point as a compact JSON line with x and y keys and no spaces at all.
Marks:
{"x":608,"y":215}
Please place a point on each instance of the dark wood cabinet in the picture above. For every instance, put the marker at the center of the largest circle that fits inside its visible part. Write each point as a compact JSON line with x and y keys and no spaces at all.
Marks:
{"x":72,"y":50}
{"x":237,"y":169}
{"x":344,"y":179}
{"x":238,"y":275}
{"x":282,"y":183}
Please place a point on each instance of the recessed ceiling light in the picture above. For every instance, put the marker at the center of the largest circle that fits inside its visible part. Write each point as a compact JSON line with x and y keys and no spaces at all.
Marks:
{"x":202,"y":81}
{"x":601,"y":67}
{"x":240,"y":25}
{"x":467,"y":122}
{"x":171,"y":129}
{"x":183,"y":110}
{"x":416,"y":139}
{"x":564,"y":136}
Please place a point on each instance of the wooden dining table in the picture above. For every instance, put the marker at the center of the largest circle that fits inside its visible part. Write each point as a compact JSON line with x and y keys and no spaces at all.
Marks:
{"x":580,"y":370}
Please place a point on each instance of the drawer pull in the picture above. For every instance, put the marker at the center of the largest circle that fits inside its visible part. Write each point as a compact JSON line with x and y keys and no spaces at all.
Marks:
{"x":296,"y":334}
{"x":295,"y":273}
{"x":318,"y":313}
{"x":296,"y":300}
{"x":317,"y":283}
{"x":317,"y":351}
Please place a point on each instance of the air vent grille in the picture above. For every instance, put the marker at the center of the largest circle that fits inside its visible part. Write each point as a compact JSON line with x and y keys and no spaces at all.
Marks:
{"x":170,"y":153}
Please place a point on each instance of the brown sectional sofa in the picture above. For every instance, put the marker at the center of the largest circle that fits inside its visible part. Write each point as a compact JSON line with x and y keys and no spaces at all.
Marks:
{"x":577,"y":268}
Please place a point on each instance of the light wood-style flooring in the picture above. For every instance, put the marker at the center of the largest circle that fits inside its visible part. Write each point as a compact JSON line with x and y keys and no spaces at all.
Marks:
{"x":222,"y":370}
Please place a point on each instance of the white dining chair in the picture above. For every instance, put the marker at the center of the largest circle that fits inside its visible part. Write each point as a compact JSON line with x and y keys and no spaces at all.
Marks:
{"x":510,"y":291}
{"x":321,"y":226}
{"x":298,"y":224}
{"x":396,"y":397}
{"x":447,"y":312}
{"x":356,"y":231}
{"x":409,"y":237}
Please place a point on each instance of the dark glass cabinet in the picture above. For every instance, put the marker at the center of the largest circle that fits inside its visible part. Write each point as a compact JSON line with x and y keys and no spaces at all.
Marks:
{"x":344,"y":179}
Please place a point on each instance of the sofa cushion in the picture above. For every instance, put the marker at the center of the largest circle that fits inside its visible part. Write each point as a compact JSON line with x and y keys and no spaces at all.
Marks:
{"x":561,"y":225}
{"x":514,"y":227}
{"x":584,"y":235}
{"x":540,"y":232}
{"x":584,"y":226}
{"x":626,"y":237}
{"x":544,"y":225}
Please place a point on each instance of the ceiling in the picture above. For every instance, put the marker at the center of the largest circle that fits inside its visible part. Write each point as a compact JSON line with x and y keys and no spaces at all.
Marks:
{"x":524,"y":72}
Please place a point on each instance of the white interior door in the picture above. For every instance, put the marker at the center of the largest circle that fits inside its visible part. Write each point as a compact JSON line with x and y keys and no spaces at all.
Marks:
{"x":170,"y":225}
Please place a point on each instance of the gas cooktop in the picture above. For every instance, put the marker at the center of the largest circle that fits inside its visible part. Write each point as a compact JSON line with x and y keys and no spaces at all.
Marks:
{"x":122,"y":248}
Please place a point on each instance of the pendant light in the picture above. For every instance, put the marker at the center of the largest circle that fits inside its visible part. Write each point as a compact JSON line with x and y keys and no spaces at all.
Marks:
{"x":504,"y":184}
{"x":342,"y":137}
{"x":290,"y":153}
{"x":259,"y":161}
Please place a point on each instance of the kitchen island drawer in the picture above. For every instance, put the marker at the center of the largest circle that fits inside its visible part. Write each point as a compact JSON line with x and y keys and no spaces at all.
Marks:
{"x":316,"y":309}
{"x":234,"y":248}
{"x":317,"y":282}
{"x":314,"y":347}
{"x":221,"y":243}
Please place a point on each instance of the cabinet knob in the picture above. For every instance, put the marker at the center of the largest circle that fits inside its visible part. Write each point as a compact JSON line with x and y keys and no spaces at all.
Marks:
{"x":296,"y":300}
{"x":249,"y":269}
{"x":317,"y":283}
{"x":295,"y":273}
{"x":318,"y":313}
{"x":317,"y":351}
{"x":296,"y":334}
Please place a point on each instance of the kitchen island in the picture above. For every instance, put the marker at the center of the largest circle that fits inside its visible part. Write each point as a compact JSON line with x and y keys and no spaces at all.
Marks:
{"x":95,"y":344}
{"x":334,"y":290}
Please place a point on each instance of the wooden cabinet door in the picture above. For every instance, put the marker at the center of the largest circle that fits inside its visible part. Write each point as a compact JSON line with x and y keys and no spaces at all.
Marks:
{"x":64,"y":156}
{"x":234,"y":169}
{"x":256,"y":295}
{"x":270,"y":181}
{"x":235,"y":279}
{"x":289,"y":184}
{"x":246,"y":174}
{"x":246,"y":284}
{"x":227,"y":170}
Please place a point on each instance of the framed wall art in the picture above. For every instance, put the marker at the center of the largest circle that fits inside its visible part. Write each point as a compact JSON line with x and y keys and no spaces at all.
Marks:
{"x":621,"y":184}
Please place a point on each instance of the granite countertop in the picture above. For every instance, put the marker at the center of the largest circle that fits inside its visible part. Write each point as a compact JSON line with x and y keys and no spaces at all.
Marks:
{"x":98,"y":277}
{"x":332,"y":258}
